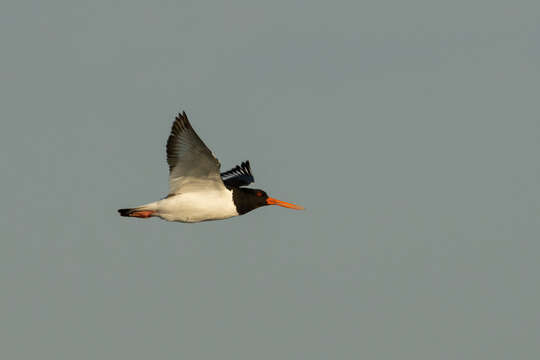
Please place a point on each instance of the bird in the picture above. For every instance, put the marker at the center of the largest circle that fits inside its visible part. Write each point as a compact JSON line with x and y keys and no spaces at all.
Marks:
{"x":198,"y":191}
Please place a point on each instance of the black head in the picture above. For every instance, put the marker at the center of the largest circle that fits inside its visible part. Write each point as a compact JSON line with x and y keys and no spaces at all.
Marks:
{"x":246,"y":199}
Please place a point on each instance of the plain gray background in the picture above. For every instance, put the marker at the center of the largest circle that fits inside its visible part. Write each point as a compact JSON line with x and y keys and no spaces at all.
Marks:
{"x":408,"y":129}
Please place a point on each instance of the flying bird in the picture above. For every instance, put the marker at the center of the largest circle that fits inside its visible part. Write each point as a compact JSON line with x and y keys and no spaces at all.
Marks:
{"x":197,"y":190}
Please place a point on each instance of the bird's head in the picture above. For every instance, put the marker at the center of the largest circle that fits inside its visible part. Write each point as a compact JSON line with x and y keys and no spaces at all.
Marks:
{"x":247,"y":199}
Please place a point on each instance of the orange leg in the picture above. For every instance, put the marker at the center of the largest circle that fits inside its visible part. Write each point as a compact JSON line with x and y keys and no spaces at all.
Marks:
{"x":142,"y":213}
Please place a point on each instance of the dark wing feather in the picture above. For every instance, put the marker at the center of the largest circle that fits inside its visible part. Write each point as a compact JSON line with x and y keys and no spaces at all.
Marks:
{"x":191,"y":164}
{"x":238,"y":176}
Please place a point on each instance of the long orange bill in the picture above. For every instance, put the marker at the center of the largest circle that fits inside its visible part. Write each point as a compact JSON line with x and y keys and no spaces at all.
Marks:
{"x":272,"y":201}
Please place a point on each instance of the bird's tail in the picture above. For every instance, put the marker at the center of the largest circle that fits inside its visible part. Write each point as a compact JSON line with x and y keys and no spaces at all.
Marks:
{"x":140,"y":212}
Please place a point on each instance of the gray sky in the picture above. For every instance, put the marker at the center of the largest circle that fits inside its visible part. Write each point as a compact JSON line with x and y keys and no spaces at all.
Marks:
{"x":409,"y":130}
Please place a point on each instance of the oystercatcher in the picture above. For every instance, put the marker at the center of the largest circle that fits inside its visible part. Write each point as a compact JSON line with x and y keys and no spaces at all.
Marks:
{"x":197,"y":190}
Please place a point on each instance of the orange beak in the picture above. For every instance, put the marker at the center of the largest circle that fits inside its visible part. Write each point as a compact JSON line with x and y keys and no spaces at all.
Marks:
{"x":272,"y":201}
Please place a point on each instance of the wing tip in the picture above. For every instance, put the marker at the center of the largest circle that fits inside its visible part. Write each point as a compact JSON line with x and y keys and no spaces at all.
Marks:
{"x":180,"y":123}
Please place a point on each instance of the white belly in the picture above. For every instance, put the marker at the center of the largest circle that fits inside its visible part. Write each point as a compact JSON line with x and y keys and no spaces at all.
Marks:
{"x":197,"y":206}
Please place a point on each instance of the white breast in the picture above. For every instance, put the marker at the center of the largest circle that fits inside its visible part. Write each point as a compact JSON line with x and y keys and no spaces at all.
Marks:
{"x":198,"y":206}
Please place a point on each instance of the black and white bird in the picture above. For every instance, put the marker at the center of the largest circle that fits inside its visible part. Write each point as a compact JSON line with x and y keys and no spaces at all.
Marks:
{"x":197,"y":189}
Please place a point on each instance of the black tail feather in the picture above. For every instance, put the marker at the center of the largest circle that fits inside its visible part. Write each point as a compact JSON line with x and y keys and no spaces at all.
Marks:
{"x":125,"y":212}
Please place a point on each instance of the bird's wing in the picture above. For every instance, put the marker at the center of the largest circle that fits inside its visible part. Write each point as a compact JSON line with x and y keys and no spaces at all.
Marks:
{"x":238,"y":176}
{"x":192,"y":166}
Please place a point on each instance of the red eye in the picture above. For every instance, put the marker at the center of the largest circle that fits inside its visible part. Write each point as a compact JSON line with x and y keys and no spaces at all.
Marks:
{"x":259,"y":193}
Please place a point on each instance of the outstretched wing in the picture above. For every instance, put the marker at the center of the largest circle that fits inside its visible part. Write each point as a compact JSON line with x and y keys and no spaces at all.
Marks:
{"x":238,"y":176}
{"x":192,"y":166}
